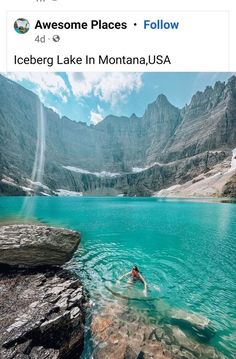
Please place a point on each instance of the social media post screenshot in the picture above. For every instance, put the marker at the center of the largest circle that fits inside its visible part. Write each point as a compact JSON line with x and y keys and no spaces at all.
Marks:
{"x":143,"y":41}
{"x":117,"y":180}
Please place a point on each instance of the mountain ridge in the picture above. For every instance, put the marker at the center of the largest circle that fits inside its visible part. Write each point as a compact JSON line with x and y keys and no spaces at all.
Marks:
{"x":163,"y":135}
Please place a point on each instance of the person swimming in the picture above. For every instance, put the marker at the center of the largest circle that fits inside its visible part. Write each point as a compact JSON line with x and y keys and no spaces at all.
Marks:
{"x":135,"y":275}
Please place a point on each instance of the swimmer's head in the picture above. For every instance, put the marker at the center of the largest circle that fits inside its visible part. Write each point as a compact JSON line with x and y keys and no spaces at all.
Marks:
{"x":135,"y":268}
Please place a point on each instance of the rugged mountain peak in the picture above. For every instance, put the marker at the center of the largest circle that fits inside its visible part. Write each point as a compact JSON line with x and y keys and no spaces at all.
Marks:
{"x":219,"y":86}
{"x":232,"y":81}
{"x":200,"y":96}
{"x":205,"y":100}
{"x":213,"y":95}
{"x":162,"y":100}
{"x":133,"y":116}
{"x":161,"y":103}
{"x":159,"y":108}
{"x":230,"y":88}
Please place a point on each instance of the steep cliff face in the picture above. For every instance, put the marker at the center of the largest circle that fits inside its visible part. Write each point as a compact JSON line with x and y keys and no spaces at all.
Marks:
{"x":18,"y":127}
{"x":160,"y":122}
{"x":123,"y":149}
{"x":74,"y":144}
{"x":166,"y":146}
{"x":209,"y":123}
{"x":137,"y":141}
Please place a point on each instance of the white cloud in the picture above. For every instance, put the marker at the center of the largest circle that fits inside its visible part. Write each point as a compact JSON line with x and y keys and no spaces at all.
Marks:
{"x":110,"y":87}
{"x":54,"y":109}
{"x":44,"y":82}
{"x":96,"y":117}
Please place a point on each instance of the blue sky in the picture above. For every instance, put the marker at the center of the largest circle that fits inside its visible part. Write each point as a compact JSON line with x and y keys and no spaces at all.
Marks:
{"x":90,"y":97}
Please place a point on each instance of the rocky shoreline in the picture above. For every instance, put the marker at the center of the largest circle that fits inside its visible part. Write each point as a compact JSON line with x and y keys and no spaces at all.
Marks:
{"x":42,"y":306}
{"x":42,"y":314}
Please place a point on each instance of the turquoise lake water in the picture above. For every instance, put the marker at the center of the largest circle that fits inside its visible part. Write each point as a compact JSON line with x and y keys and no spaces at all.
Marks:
{"x":186,"y":248}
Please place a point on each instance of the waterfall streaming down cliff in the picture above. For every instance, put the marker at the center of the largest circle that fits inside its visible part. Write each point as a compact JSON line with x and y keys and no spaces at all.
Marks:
{"x":39,"y":160}
{"x":233,"y":161}
{"x":38,"y":169}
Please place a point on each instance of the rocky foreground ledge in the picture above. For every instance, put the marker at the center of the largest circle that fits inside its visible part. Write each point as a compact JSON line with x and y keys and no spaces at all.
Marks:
{"x":42,"y":306}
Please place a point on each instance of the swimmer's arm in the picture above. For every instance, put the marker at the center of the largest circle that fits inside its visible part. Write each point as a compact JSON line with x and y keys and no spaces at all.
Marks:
{"x":144,"y":282}
{"x":124,"y":275}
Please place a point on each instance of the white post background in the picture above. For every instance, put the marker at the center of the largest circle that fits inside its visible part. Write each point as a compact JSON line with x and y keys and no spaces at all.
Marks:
{"x":204,"y":41}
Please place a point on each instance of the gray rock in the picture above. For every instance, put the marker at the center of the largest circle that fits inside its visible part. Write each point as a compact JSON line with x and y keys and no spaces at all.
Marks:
{"x":38,"y":318}
{"x":229,"y":189}
{"x":113,"y":335}
{"x":75,"y":312}
{"x":195,"y":323}
{"x":190,"y":349}
{"x":33,"y":326}
{"x":35,"y":245}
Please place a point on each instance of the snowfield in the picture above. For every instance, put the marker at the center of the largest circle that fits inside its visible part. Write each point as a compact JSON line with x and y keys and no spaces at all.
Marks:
{"x":98,"y":174}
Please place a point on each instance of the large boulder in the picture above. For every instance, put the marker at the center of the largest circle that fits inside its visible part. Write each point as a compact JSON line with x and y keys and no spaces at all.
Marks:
{"x":31,"y":245}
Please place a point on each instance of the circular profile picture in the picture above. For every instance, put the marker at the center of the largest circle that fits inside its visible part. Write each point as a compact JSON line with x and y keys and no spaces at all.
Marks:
{"x":21,"y":26}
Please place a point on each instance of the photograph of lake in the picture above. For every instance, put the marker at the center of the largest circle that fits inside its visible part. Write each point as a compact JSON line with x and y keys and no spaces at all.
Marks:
{"x":118,"y":215}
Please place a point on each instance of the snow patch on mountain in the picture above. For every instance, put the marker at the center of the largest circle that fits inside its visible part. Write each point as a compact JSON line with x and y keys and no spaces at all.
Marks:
{"x":26,"y":189}
{"x":8,"y":180}
{"x":37,"y":184}
{"x":233,"y":160}
{"x":65,"y":193}
{"x":138,"y":169}
{"x":141,"y":169}
{"x":98,"y":174}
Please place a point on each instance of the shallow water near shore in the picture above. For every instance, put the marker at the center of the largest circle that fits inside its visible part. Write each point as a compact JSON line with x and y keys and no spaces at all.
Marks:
{"x":186,"y":250}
